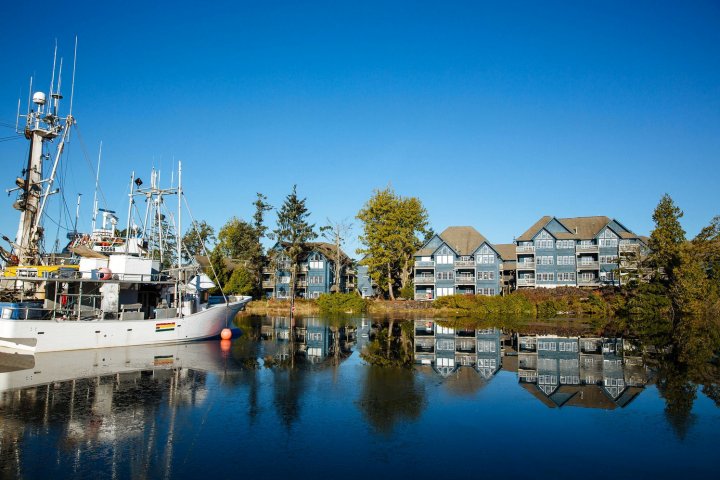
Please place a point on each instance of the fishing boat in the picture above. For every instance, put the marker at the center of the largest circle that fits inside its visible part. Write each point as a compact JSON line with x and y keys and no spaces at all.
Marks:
{"x":110,"y":290}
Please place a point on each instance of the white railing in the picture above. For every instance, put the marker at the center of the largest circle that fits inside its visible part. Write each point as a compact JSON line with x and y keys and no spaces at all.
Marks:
{"x":424,"y":279}
{"x":464,"y":263}
{"x":588,"y":265}
{"x":526,"y":265}
{"x":525,"y":249}
{"x":423,"y":296}
{"x":424,"y":264}
{"x":526,"y":282}
{"x":629,"y":247}
{"x":587,"y":248}
{"x":463,"y":279}
{"x":268,"y":284}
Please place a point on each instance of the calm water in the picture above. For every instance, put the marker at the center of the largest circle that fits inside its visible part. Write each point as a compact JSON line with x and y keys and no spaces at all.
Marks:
{"x":473,"y":403}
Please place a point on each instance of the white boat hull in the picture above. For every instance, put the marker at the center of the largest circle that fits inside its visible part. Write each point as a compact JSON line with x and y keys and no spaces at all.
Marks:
{"x":33,"y":336}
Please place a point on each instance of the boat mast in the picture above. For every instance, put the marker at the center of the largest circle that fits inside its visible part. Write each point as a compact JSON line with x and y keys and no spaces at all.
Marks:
{"x":42,"y":125}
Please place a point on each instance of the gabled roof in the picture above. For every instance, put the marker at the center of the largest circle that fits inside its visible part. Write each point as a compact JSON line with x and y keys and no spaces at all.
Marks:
{"x":580,"y":228}
{"x":507,"y":251}
{"x":327,"y":249}
{"x":464,"y":240}
{"x":530,"y":232}
{"x":585,"y":227}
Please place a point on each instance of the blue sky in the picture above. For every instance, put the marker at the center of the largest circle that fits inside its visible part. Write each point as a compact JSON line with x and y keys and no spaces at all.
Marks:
{"x":492,"y":113}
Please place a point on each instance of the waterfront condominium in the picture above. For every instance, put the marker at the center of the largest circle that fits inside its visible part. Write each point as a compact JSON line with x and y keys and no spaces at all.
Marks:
{"x":580,"y":251}
{"x":457,"y":261}
{"x":315,"y":272}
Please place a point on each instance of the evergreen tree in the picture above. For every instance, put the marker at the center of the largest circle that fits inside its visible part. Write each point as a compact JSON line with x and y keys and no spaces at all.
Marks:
{"x":293,"y":232}
{"x":666,"y":238}
{"x":198,"y":240}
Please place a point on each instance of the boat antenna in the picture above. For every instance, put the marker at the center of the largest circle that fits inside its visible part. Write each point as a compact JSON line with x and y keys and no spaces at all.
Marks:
{"x":52,"y":77}
{"x":72,"y":83}
{"x":179,"y":217}
{"x":131,"y":200}
{"x":97,"y":181}
{"x":77,"y":213}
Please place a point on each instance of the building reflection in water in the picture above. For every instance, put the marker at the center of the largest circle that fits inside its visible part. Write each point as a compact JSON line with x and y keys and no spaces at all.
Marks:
{"x":594,"y":372}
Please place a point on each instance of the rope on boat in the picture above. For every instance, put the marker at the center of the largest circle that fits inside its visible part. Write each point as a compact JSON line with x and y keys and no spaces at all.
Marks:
{"x":205,"y":252}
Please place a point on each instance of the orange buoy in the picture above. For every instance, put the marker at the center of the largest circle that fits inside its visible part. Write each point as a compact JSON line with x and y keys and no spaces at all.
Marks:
{"x":225,"y":345}
{"x":226,"y":334}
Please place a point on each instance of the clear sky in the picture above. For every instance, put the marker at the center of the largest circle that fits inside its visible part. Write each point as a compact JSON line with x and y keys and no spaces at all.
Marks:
{"x":492,"y":113}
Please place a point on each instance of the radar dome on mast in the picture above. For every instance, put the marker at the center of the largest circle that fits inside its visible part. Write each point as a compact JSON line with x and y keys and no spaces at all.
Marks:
{"x":38,"y":98}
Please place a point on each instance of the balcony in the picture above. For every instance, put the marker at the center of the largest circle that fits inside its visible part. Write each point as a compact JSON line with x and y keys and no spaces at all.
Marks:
{"x":588,"y":265}
{"x":585,"y":282}
{"x":302,"y":283}
{"x":525,"y":249}
{"x":587,"y":249}
{"x":424,"y":279}
{"x":464,"y":279}
{"x":303,"y":267}
{"x":526,"y":265}
{"x":425,"y":264}
{"x":525,"y":282}
{"x":629,"y":247}
{"x":423,"y":296}
{"x":464,"y":264}
{"x":268,"y":284}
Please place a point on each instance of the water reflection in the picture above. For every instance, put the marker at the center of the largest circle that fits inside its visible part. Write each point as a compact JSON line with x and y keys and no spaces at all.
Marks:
{"x":146,"y":411}
{"x":584,"y":371}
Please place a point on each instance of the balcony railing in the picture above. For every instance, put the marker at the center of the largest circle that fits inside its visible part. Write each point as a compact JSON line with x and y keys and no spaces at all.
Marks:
{"x":629,"y":247}
{"x":464,"y":279}
{"x":423,"y":296}
{"x":594,"y":282}
{"x":302,"y":283}
{"x":424,"y":279}
{"x":526,"y":265}
{"x":525,"y":282}
{"x":464,"y":264}
{"x":425,"y":264}
{"x":587,"y":249}
{"x":588,"y":265}
{"x":525,"y":249}
{"x":268,"y":284}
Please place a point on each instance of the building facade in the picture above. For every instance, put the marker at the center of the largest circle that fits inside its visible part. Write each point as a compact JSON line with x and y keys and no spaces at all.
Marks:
{"x":315,"y":273}
{"x":578,"y":252}
{"x":458,"y":261}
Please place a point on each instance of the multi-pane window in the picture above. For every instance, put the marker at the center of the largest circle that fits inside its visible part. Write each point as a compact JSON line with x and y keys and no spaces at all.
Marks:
{"x":315,"y":280}
{"x":486,"y":275}
{"x":486,"y":346}
{"x":486,"y":291}
{"x":545,"y":277}
{"x":608,"y":239}
{"x":566,"y":260}
{"x":548,"y":346}
{"x":444,"y":256}
{"x":568,"y":347}
{"x":485,"y":259}
{"x":444,"y":275}
{"x":445,"y":291}
{"x":440,"y":330}
{"x":544,"y":240}
{"x":445,"y":344}
{"x":608,"y":258}
{"x":545,"y":260}
{"x":566,"y":276}
{"x":565,"y":244}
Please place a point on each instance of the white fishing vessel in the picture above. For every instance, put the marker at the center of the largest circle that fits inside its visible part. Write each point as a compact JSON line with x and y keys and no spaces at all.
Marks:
{"x":112,"y":292}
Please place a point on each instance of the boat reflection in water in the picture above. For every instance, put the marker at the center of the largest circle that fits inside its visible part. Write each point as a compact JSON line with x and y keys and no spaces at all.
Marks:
{"x":87,"y":400}
{"x":582,"y":371}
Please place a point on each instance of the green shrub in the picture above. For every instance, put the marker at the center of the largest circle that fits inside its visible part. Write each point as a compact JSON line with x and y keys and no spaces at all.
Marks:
{"x":333,"y":303}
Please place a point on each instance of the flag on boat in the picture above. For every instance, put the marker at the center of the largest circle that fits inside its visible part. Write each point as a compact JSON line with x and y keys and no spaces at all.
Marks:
{"x":164,"y":327}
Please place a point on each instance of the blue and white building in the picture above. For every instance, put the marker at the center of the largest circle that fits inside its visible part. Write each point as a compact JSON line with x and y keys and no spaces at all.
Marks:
{"x":457,"y":261}
{"x":579,"y":251}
